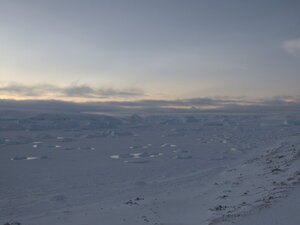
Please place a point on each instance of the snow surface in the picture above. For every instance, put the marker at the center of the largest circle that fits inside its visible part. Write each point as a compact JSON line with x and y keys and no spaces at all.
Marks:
{"x":197,"y":169}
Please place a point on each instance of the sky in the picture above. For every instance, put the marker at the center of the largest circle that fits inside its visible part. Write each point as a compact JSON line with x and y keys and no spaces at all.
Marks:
{"x":127,"y":50}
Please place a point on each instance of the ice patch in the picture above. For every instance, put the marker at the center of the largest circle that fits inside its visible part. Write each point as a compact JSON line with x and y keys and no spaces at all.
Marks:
{"x":233,"y":149}
{"x":28,"y":158}
{"x":137,"y":155}
{"x":141,"y":161}
{"x":31,"y":158}
{"x":182,"y":157}
{"x":156,"y":155}
{"x":135,"y":146}
{"x":168,"y":145}
{"x":164,"y":145}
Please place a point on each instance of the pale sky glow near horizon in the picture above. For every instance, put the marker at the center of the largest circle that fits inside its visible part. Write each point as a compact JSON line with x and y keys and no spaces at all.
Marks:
{"x":158,"y":49}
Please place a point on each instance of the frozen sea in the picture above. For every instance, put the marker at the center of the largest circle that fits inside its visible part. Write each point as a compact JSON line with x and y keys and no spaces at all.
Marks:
{"x":164,"y":169}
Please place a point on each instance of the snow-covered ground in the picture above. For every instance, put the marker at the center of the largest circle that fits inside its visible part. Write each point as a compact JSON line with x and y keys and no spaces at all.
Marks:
{"x":188,"y":169}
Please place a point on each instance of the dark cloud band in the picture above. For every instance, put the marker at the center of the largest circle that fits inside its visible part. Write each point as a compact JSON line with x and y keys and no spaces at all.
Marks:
{"x":73,"y":91}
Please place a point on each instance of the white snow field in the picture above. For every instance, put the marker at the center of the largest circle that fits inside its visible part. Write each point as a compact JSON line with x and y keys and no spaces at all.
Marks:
{"x":184,"y":169}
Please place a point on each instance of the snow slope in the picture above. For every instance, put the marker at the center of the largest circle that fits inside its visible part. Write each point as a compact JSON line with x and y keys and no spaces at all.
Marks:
{"x":284,"y":212}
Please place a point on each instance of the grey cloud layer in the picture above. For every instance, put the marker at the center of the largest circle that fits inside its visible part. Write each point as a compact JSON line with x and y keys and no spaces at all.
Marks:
{"x":89,"y":93}
{"x":28,"y":91}
{"x":160,"y":106}
{"x":73,"y":91}
{"x":221,"y":103}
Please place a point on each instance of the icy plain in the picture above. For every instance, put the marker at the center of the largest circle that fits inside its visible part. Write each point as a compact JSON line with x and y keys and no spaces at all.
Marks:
{"x":183,"y":169}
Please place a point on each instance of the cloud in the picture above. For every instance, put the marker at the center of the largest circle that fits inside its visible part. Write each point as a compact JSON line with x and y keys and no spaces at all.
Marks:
{"x":220,"y":104}
{"x":92,"y":97}
{"x":75,"y":91}
{"x":85,"y":91}
{"x":282,"y":100}
{"x":72,"y":91}
{"x":28,"y":91}
{"x":292,"y":46}
{"x":223,"y":105}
